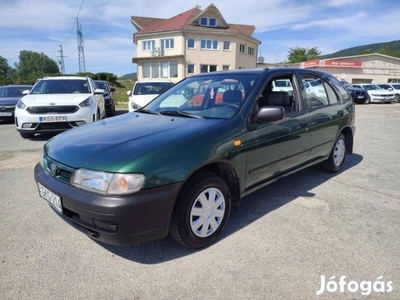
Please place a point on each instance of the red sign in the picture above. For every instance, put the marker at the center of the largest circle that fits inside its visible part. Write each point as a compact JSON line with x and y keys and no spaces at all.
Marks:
{"x":331,"y":63}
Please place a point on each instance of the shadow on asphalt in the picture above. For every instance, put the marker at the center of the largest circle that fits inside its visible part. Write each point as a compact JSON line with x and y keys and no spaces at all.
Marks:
{"x":253,"y":207}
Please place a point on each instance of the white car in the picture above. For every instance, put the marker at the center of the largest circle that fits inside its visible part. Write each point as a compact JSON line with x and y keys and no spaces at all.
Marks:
{"x":59,"y":103}
{"x":394,"y":87}
{"x":145,"y":91}
{"x":376,"y":94}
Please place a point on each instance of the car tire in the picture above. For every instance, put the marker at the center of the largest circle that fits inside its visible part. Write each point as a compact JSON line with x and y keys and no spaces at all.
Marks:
{"x":337,"y":156}
{"x":201,"y":212}
{"x":368,"y":100}
{"x":397,"y":98}
{"x":27,"y":135}
{"x":111,"y":112}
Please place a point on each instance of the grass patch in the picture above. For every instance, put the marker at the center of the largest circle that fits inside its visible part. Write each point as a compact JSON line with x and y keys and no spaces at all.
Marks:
{"x":120,"y":96}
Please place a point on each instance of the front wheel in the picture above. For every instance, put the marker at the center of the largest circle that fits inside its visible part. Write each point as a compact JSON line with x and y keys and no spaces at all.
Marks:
{"x":338,"y":155}
{"x":27,"y":135}
{"x":201,"y":212}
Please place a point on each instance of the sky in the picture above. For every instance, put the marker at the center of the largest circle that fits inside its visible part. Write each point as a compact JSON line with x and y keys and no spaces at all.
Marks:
{"x":49,"y":26}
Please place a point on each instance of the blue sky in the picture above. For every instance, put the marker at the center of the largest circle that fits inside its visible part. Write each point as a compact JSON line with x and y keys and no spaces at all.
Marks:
{"x":42,"y":26}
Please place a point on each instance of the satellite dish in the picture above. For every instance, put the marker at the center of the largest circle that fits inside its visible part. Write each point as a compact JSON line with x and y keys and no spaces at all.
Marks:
{"x":260,"y":59}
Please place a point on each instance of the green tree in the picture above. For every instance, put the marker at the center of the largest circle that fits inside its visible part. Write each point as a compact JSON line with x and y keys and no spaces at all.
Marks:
{"x":5,"y":72}
{"x":298,"y":54}
{"x":33,"y":65}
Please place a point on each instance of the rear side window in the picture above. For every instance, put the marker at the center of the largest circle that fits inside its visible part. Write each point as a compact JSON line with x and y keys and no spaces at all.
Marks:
{"x":340,"y":89}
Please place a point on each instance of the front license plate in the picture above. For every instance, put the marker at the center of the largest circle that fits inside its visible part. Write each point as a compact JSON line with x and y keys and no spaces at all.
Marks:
{"x":6,"y":114}
{"x":360,"y":97}
{"x":53,"y":119}
{"x":52,"y":198}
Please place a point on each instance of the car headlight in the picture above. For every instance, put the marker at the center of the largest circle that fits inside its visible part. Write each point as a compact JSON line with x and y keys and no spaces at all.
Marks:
{"x":21,"y":104}
{"x":86,"y":102}
{"x":107,"y":183}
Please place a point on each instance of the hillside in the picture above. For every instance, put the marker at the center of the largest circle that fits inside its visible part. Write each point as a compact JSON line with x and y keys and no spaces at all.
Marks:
{"x":389,"y":48}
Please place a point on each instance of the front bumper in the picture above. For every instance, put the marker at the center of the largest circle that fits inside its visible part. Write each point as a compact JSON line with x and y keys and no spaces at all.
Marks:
{"x":117,"y":220}
{"x":381,"y":99}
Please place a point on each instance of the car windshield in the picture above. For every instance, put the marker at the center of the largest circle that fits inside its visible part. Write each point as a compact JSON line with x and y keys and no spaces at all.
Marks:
{"x":61,"y":86}
{"x":209,"y":96}
{"x":396,"y":86}
{"x":12,"y":91}
{"x":101,"y":85}
{"x":151,"y":88}
{"x":371,"y":87}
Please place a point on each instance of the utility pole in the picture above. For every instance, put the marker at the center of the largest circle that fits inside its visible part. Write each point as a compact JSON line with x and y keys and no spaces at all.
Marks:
{"x":81,"y":54}
{"x":61,"y":61}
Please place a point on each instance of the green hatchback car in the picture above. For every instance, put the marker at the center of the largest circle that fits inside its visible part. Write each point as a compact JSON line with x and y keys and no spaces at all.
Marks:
{"x":180,"y":164}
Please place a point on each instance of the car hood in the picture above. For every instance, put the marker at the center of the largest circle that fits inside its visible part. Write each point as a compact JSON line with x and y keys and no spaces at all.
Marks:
{"x":9,"y":100}
{"x":112,"y":143}
{"x":51,"y":99}
{"x":381,"y":92}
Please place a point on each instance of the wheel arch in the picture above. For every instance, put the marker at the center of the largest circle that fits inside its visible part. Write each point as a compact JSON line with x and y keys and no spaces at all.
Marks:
{"x":227,"y":173}
{"x":348,"y":133}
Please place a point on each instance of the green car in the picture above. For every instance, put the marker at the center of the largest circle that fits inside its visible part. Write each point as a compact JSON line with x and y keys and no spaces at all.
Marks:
{"x":180,"y":164}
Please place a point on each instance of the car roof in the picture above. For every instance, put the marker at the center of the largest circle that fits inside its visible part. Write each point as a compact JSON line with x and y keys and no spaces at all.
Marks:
{"x":65,"y":78}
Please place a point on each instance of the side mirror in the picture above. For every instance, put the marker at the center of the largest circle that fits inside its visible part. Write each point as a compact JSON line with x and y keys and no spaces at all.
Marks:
{"x":99,"y":91}
{"x":129,"y":93}
{"x":269,"y":113}
{"x":112,"y":90}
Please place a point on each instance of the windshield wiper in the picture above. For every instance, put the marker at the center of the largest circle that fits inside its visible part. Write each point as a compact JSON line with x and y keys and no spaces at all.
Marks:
{"x":147,"y":111}
{"x":179,"y":113}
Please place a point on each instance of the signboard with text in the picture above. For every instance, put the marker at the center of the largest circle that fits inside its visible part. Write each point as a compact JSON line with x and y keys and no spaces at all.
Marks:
{"x":330,"y":63}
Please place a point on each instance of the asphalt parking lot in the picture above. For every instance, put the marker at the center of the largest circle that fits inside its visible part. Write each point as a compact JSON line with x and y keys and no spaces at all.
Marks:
{"x":285,"y":239}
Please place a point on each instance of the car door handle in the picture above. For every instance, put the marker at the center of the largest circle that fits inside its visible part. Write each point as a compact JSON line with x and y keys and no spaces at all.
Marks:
{"x":341,"y":113}
{"x":303,"y":123}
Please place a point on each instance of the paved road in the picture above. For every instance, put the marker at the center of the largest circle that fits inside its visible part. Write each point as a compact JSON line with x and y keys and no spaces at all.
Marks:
{"x":277,"y":246}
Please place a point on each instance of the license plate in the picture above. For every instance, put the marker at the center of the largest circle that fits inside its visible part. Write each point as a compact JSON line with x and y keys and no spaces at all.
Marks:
{"x":6,"y":114}
{"x":53,"y":199}
{"x":53,"y":119}
{"x":360,"y":97}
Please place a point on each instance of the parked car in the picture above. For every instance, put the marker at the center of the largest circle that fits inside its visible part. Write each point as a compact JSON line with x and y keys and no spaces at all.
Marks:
{"x":146,"y":90}
{"x":56,"y":104}
{"x":108,"y":96}
{"x":9,"y":96}
{"x":359,"y":95}
{"x":179,"y":168}
{"x":394,"y":87}
{"x":376,"y":94}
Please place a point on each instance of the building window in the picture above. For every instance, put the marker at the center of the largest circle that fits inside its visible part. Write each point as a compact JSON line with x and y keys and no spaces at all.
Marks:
{"x":227,"y":45}
{"x":250,"y":51}
{"x":146,"y":70}
{"x":207,"y":68}
{"x":148,"y":45}
{"x":167,"y":69}
{"x":155,"y":72}
{"x":164,"y":69}
{"x":190,"y":44}
{"x":242,"y":48}
{"x":225,"y":67}
{"x":211,"y":22}
{"x":190,"y":68}
{"x":167,"y":43}
{"x":209,"y":44}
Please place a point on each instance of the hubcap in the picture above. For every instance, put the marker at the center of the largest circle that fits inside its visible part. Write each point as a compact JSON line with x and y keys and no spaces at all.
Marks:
{"x":339,"y":152}
{"x":207,"y":212}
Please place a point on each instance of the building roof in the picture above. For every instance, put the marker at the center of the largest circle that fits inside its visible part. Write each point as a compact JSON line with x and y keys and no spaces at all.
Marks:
{"x":188,"y":21}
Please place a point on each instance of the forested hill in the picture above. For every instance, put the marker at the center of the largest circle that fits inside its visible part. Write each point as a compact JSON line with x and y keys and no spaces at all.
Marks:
{"x":388,"y":48}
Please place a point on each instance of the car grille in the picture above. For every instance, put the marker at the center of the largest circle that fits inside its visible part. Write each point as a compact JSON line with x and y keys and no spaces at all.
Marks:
{"x":66,"y":109}
{"x":57,"y":170}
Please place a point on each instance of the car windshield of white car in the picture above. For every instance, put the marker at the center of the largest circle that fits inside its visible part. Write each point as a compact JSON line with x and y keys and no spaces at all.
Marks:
{"x":61,"y":86}
{"x":151,"y":88}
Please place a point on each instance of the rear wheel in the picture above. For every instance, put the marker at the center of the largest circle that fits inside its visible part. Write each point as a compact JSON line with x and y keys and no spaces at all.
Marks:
{"x":338,"y":155}
{"x":201,"y":212}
